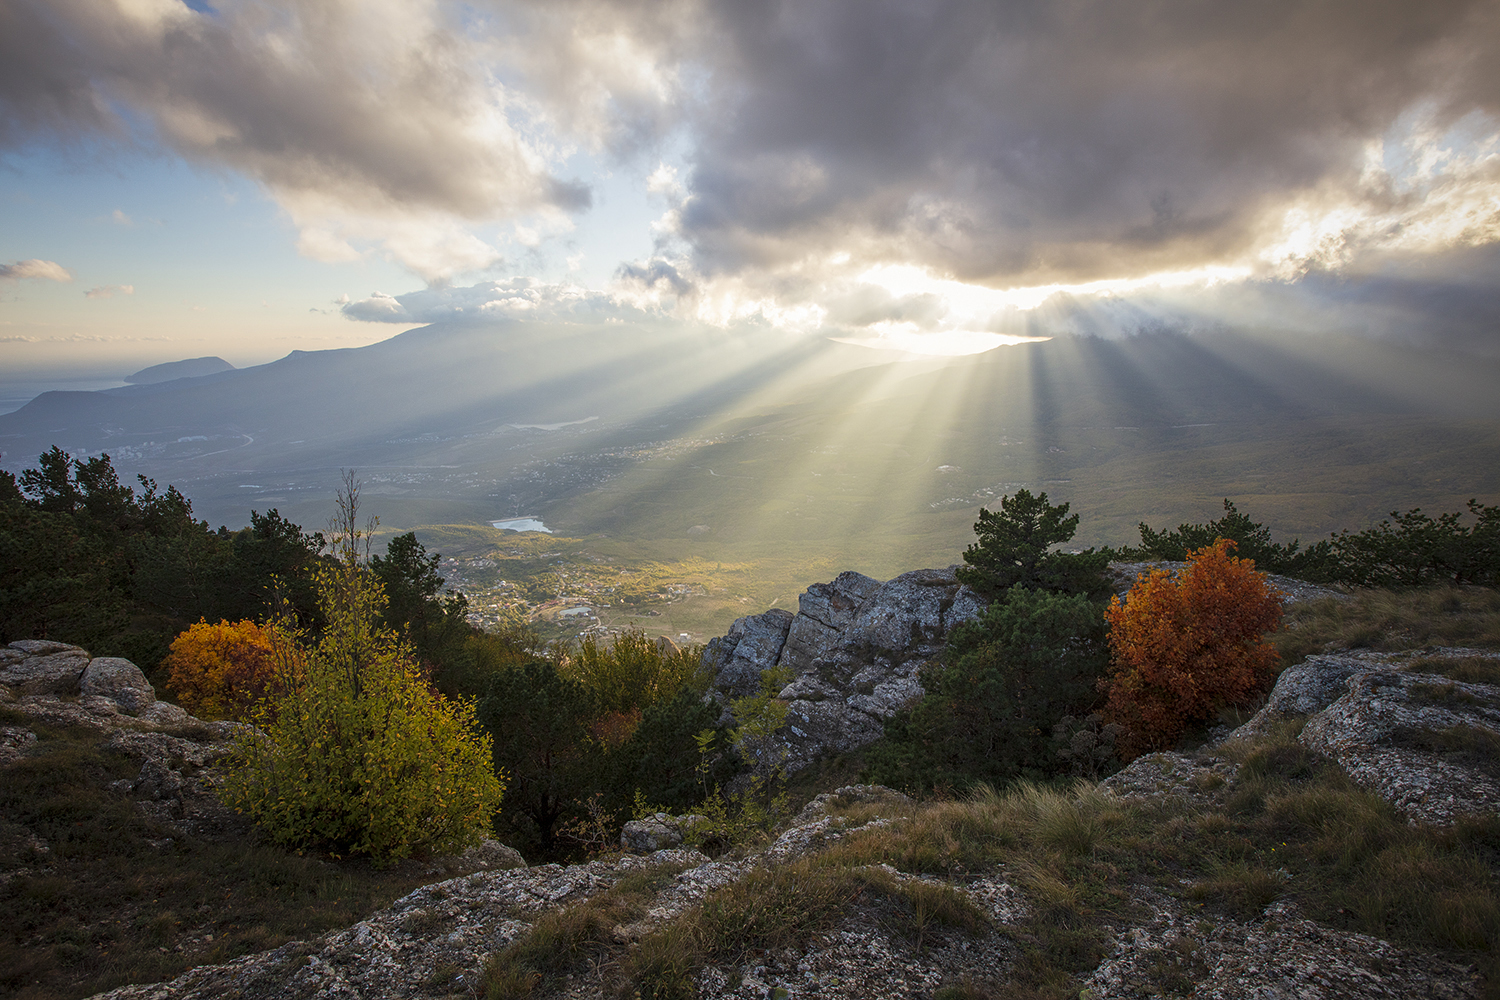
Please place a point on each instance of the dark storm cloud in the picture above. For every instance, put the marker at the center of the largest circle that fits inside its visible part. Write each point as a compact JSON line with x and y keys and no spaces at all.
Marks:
{"x":1006,"y":140}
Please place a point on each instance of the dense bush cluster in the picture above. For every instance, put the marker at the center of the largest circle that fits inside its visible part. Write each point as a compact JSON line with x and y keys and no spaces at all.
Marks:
{"x":354,"y":750}
{"x":1407,"y":550}
{"x":121,"y":571}
{"x":585,"y":735}
{"x":223,"y":670}
{"x":1005,"y":681}
{"x":1187,"y":645}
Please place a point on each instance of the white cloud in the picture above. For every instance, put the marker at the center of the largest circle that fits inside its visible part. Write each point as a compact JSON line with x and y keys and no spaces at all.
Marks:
{"x":34,"y":268}
{"x":109,"y":291}
{"x":381,"y":126}
{"x":489,"y":300}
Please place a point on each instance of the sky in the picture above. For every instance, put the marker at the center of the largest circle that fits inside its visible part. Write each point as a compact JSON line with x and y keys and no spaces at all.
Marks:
{"x":244,"y":178}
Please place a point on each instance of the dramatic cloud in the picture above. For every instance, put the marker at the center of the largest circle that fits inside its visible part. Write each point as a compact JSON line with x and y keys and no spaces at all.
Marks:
{"x":34,"y":268}
{"x":1014,"y":142}
{"x":874,"y":170}
{"x":518,"y":298}
{"x":379,"y":124}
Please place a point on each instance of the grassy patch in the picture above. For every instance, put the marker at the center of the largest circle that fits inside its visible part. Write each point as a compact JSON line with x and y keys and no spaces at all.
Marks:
{"x":1465,"y":669}
{"x":95,"y":895}
{"x":784,"y":907}
{"x":1392,"y":620}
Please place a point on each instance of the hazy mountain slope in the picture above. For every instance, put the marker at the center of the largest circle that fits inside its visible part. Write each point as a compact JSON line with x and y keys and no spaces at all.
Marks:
{"x":648,"y":432}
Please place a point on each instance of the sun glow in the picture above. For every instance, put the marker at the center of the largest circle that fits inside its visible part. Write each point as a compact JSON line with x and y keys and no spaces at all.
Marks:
{"x":972,"y":312}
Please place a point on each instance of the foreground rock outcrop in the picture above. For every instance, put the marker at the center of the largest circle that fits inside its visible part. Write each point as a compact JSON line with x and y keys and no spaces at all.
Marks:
{"x":856,"y":647}
{"x":854,"y":651}
{"x":104,"y":686}
{"x":1423,"y":742}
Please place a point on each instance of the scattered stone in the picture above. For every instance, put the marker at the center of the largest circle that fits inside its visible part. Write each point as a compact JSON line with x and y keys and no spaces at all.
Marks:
{"x":15,"y":741}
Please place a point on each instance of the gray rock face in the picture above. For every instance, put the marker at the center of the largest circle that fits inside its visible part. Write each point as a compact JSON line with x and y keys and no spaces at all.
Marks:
{"x":753,"y":643}
{"x":120,"y":680}
{"x":43,"y":668}
{"x":854,"y":649}
{"x":1417,"y":740}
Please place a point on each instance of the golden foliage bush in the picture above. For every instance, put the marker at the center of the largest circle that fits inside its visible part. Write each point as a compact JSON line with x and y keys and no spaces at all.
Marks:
{"x":1186,"y":646}
{"x":219,"y":671}
{"x":358,"y":753}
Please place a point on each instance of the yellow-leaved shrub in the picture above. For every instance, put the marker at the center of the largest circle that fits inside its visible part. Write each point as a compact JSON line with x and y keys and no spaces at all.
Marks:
{"x":358,"y":753}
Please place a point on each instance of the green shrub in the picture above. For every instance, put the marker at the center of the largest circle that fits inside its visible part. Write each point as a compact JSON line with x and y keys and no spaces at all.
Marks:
{"x":635,"y":671}
{"x":539,"y":720}
{"x":1409,"y":550}
{"x":1412,"y":550}
{"x":1251,"y":538}
{"x":1006,"y":680}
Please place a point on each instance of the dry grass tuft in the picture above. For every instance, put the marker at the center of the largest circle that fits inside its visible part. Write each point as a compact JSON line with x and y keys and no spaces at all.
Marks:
{"x":1392,"y":620}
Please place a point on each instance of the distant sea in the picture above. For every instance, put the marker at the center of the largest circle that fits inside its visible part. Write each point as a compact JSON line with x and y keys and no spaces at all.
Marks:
{"x":16,"y":393}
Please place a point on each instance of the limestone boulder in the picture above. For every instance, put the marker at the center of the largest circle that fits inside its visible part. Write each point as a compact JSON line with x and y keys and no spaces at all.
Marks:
{"x":491,"y":856}
{"x":660,"y":832}
{"x":42,"y":667}
{"x":42,"y":647}
{"x":119,"y":680}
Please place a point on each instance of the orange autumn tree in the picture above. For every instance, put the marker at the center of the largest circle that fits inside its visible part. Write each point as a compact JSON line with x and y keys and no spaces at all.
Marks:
{"x":1185,"y":646}
{"x":220,"y":671}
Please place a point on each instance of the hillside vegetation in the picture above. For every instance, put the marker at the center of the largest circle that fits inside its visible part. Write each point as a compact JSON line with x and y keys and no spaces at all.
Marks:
{"x":1056,"y":680}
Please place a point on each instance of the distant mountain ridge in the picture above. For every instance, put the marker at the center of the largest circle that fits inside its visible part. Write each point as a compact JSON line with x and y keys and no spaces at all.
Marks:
{"x":191,"y":368}
{"x":765,"y":437}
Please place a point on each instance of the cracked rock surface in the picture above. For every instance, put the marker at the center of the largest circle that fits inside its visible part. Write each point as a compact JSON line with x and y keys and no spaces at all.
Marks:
{"x":1278,"y":956}
{"x":854,"y":649}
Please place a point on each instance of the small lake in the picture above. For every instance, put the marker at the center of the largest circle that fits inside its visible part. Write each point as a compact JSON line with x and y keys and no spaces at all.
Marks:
{"x":521,"y":524}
